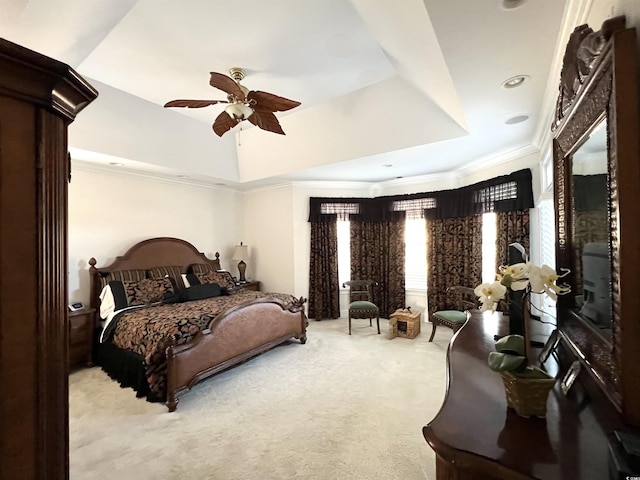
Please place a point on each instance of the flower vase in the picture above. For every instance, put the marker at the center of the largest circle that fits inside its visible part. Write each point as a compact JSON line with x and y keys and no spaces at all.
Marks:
{"x":528,"y":396}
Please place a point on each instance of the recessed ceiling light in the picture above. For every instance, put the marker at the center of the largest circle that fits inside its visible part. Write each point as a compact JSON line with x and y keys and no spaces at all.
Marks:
{"x":116,"y":164}
{"x":514,"y":82}
{"x":388,"y":165}
{"x":517,"y":119}
{"x":512,"y":4}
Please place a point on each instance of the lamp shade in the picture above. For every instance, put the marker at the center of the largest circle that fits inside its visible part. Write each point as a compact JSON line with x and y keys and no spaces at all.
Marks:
{"x":239,"y":111}
{"x":240,"y":252}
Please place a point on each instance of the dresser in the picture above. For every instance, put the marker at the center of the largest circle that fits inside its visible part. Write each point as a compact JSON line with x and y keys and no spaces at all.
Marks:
{"x":475,"y":435}
{"x":81,"y":326}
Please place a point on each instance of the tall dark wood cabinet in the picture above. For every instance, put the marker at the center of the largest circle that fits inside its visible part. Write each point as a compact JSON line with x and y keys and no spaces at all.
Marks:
{"x":39,"y":98}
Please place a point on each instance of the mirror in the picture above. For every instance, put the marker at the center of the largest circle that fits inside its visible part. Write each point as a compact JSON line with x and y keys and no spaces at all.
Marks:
{"x":596,"y":159}
{"x":590,"y":230}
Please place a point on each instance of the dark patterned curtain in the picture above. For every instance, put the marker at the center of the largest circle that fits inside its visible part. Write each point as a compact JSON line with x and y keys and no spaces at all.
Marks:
{"x":454,"y":257}
{"x":511,"y":227}
{"x":324,"y":290}
{"x":454,"y":254}
{"x":377,"y":253}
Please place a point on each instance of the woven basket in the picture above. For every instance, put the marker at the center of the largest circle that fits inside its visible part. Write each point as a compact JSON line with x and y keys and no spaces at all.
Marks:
{"x":527,"y":396}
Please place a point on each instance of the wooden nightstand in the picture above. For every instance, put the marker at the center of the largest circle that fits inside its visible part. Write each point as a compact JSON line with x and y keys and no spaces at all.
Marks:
{"x":252,"y":285}
{"x":81,"y":325}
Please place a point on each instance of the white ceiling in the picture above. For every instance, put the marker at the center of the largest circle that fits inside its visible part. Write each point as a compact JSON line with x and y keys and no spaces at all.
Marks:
{"x":389,"y":88}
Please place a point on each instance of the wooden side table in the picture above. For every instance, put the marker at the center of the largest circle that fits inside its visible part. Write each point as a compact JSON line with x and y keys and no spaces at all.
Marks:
{"x":81,"y":325}
{"x":252,"y":285}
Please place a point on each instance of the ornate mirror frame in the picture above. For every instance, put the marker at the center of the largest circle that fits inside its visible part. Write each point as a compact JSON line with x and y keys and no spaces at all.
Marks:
{"x":599,"y":81}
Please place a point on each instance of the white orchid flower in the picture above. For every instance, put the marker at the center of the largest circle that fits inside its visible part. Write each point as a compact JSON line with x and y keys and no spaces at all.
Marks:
{"x":521,"y":276}
{"x":516,"y":276}
{"x":543,"y":279}
{"x":489,"y":294}
{"x":517,"y":271}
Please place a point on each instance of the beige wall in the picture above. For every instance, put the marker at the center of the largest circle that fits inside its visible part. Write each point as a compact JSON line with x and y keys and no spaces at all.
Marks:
{"x":268,"y":232}
{"x":110,"y":212}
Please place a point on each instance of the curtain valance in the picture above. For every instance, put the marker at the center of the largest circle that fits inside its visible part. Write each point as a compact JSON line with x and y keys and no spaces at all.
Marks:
{"x":501,"y":194}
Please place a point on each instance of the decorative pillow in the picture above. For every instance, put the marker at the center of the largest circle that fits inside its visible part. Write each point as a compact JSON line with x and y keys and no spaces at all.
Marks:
{"x":124,"y":275}
{"x":145,"y":291}
{"x":221,"y":277}
{"x":172,"y":297}
{"x":174,"y":272}
{"x":198,"y":292}
{"x":201,"y":268}
{"x":149,"y":290}
{"x":107,"y":302}
{"x":189,"y":279}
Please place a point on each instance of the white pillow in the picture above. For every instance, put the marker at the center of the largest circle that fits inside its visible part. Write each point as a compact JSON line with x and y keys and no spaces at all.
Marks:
{"x":107,"y":302}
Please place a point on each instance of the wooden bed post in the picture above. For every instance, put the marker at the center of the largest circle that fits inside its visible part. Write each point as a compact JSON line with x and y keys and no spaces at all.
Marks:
{"x":172,"y":399}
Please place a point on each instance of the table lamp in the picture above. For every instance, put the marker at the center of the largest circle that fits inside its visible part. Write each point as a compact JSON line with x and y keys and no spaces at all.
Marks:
{"x":241,"y":252}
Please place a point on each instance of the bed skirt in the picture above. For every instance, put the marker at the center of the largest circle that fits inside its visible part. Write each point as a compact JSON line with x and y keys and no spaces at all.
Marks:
{"x":127,"y":368}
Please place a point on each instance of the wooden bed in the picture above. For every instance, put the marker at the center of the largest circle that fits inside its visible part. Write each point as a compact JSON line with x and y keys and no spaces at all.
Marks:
{"x":231,"y":337}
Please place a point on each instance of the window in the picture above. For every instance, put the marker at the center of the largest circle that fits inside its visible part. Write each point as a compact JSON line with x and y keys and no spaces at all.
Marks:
{"x":344,"y":254}
{"x":415,"y":254}
{"x":489,"y":222}
{"x":415,"y":244}
{"x":546,"y":219}
{"x":547,"y":233}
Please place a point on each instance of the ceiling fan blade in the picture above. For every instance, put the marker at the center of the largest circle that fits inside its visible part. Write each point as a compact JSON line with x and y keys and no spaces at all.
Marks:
{"x":192,"y":103}
{"x":266,"y":120}
{"x":223,"y":123}
{"x":269,"y":101}
{"x":226,"y":84}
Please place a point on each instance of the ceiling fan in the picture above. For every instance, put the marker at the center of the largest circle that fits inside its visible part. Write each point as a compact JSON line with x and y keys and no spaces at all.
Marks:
{"x":243,"y":104}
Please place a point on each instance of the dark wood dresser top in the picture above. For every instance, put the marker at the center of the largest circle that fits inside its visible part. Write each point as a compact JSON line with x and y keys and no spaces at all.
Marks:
{"x":474,"y":432}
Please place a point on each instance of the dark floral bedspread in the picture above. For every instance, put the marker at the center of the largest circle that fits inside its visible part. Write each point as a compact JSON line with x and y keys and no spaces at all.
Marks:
{"x":145,"y":330}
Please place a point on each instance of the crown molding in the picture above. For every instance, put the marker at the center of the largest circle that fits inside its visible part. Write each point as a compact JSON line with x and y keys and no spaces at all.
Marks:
{"x":453,"y":178}
{"x":486,"y":163}
{"x":456,"y":176}
{"x":332,"y":184}
{"x":124,"y":171}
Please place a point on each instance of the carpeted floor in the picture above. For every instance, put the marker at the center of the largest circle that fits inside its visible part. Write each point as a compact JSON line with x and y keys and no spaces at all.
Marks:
{"x":339,"y":407}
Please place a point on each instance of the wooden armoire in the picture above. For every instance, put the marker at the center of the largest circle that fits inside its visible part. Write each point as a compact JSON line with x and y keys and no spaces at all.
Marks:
{"x":39,"y":98}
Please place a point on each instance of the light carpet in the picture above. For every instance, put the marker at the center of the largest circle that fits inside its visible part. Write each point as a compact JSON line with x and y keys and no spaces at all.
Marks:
{"x":338,"y":407}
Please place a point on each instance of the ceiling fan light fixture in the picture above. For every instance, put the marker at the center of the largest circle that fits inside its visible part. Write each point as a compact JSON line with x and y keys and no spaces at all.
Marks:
{"x":238,"y":111}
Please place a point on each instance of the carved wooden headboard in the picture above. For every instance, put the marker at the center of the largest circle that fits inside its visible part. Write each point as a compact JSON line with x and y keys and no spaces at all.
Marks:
{"x":155,"y":252}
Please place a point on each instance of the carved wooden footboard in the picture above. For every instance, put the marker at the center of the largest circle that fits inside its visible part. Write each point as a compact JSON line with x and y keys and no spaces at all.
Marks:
{"x":233,"y":337}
